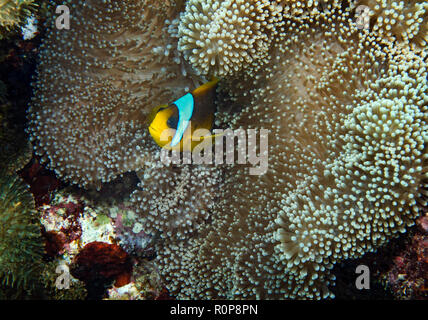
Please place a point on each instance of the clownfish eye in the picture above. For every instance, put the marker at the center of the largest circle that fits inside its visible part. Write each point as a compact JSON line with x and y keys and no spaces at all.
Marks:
{"x":173,"y":121}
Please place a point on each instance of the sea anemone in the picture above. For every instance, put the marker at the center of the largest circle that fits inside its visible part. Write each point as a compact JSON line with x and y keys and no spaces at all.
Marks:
{"x":21,"y":246}
{"x":98,"y":82}
{"x":347,"y":158}
{"x":221,"y":37}
{"x":173,"y":201}
{"x":402,"y":21}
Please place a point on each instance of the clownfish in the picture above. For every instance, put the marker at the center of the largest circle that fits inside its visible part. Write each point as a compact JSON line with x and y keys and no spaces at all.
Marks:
{"x":193,"y":111}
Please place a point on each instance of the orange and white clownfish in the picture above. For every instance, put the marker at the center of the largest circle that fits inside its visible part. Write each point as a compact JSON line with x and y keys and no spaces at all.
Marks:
{"x":172,"y":126}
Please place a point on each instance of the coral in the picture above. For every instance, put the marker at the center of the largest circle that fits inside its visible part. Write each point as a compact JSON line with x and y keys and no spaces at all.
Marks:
{"x":79,"y":232}
{"x":408,"y":276}
{"x":72,"y":222}
{"x":146,"y":285}
{"x":126,"y":292}
{"x":175,"y":200}
{"x":21,"y":245}
{"x":401,"y":21}
{"x":347,"y":158}
{"x":13,"y":14}
{"x":62,"y":219}
{"x":97,"y":85}
{"x":94,"y":239}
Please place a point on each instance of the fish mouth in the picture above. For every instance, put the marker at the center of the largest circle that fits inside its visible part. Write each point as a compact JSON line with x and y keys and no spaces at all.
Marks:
{"x":156,"y":133}
{"x":155,"y":130}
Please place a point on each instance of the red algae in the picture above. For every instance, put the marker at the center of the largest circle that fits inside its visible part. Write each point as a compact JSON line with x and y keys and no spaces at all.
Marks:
{"x":42,"y":182}
{"x":100,"y":261}
{"x":54,"y":242}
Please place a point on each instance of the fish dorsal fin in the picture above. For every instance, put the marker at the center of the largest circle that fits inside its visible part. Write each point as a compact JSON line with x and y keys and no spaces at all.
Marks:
{"x":205,"y":87}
